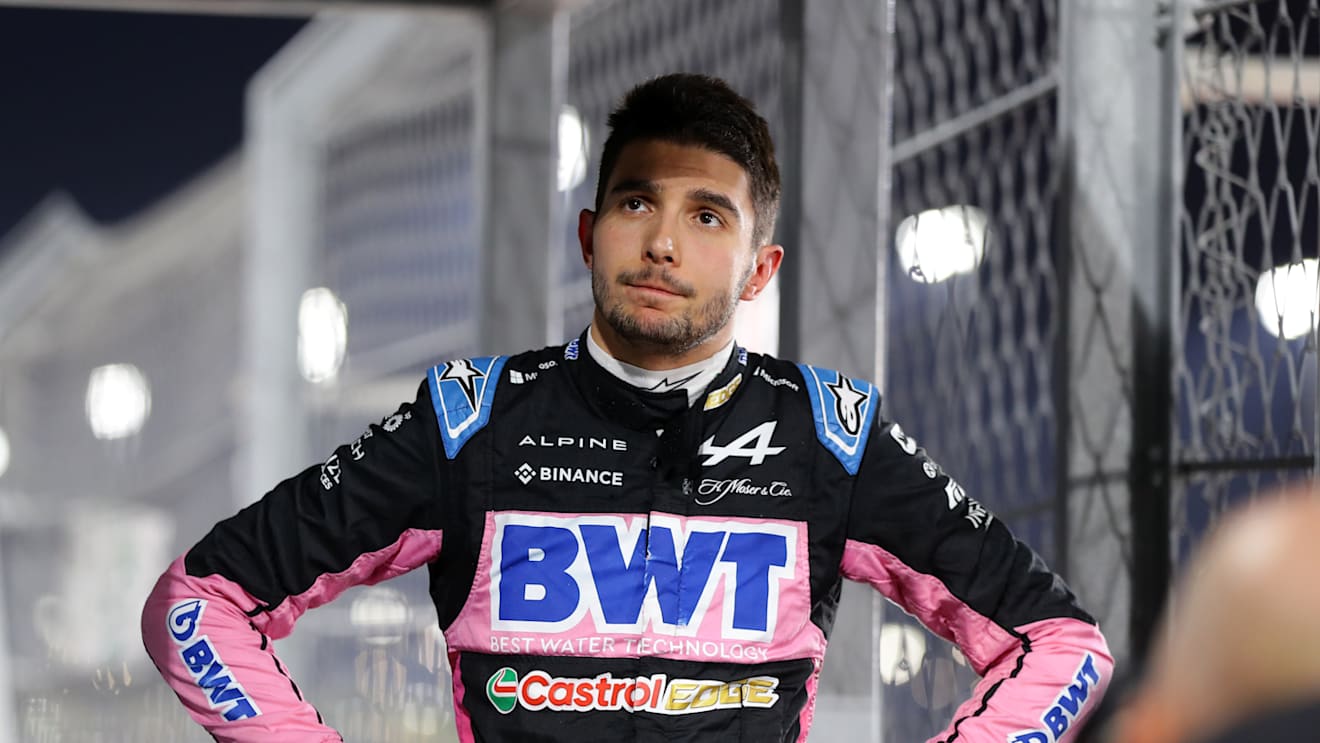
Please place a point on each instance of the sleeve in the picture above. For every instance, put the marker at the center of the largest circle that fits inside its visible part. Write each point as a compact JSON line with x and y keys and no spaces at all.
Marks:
{"x":365,"y":515}
{"x":916,"y":536}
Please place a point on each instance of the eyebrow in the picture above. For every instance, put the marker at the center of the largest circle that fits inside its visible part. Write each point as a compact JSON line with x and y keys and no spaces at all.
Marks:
{"x":715,"y":198}
{"x":704,"y":195}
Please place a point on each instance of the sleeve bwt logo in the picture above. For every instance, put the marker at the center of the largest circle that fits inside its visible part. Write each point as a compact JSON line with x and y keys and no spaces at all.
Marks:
{"x":1067,"y":708}
{"x":219,"y":687}
{"x":631,"y":573}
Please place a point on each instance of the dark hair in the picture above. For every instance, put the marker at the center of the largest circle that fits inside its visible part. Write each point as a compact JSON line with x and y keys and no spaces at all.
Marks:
{"x":700,"y":110}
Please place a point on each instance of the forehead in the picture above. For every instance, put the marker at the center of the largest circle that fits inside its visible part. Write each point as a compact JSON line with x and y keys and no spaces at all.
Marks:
{"x":685,"y":166}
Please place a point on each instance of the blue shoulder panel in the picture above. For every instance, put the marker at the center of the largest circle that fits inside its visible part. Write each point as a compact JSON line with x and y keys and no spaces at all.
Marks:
{"x":462,"y":391}
{"x":843,"y":409}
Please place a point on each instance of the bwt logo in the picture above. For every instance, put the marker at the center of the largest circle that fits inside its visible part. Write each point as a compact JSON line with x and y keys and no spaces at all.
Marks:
{"x":1066,"y":709}
{"x":204,"y":664}
{"x":631,"y":573}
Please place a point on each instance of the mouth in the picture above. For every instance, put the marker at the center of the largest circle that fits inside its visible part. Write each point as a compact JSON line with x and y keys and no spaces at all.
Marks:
{"x":651,"y":288}
{"x":655,"y":288}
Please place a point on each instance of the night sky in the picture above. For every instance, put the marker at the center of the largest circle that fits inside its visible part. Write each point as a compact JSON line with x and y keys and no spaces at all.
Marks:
{"x":119,"y":109}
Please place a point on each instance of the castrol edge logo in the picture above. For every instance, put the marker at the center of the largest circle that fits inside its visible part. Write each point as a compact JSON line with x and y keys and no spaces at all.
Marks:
{"x":656,"y":693}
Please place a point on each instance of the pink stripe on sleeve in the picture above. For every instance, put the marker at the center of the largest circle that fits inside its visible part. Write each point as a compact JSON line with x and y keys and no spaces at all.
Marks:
{"x":1060,"y":681}
{"x":927,"y":598}
{"x":1039,"y":681}
{"x":414,"y":548}
{"x":216,"y":658}
{"x":206,"y":649}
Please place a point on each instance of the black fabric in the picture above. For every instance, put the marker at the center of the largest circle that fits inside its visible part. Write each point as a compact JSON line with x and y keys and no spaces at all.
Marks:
{"x":558,"y":411}
{"x":903,"y":504}
{"x":360,"y":500}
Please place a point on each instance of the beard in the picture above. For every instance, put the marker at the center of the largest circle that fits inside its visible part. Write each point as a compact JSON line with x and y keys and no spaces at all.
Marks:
{"x":676,"y":333}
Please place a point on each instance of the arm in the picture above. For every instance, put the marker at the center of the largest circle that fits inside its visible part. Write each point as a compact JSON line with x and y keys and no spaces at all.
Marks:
{"x":364,"y":516}
{"x":916,"y":537}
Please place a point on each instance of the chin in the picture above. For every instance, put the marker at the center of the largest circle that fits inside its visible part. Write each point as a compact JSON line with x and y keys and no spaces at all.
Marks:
{"x":650,"y":327}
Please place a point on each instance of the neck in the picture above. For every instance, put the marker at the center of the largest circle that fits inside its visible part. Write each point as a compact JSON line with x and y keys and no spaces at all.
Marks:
{"x":655,"y":357}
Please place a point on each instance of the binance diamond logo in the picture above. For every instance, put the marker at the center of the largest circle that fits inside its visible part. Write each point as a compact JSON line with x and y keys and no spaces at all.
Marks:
{"x":525,"y":473}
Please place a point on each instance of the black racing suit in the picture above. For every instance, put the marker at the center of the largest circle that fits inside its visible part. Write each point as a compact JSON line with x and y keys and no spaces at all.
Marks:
{"x":612,"y":564}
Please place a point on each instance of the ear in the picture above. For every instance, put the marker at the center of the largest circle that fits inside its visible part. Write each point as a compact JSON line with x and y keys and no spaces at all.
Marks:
{"x":768,"y":258}
{"x":586,"y":223}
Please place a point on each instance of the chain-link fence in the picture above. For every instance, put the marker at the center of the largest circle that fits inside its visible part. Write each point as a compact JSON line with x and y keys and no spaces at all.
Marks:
{"x":1245,"y":369}
{"x":971,"y":367}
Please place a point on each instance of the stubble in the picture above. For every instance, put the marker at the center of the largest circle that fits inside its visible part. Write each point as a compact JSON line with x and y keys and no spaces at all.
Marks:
{"x":674,"y":334}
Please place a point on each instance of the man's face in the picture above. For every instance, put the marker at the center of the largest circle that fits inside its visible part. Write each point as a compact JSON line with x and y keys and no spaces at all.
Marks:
{"x":671,"y":250}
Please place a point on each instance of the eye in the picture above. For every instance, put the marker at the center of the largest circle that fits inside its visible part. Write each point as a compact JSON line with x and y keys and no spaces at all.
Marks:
{"x":709,"y":219}
{"x":632,"y":204}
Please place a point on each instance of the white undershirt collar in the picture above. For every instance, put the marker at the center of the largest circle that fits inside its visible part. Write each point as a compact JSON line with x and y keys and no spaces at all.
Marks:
{"x":693,"y":378}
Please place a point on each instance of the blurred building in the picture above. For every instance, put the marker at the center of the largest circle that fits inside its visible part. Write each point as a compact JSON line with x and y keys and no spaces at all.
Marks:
{"x":119,"y":388}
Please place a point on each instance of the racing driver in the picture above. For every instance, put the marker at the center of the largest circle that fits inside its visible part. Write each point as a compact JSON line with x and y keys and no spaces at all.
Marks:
{"x":639,"y":535}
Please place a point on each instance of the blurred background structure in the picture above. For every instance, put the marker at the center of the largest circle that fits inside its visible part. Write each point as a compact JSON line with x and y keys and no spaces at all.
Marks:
{"x":1075,"y":241}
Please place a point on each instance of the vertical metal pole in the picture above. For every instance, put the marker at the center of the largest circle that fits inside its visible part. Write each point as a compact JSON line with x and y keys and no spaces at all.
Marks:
{"x":884,"y":186}
{"x":844,"y":122}
{"x":1062,"y":238}
{"x":883,"y":204}
{"x":1063,"y":372}
{"x":838,"y":83}
{"x":8,"y":718}
{"x":483,"y":89}
{"x":520,"y":261}
{"x":792,"y":25}
{"x":1153,"y":296}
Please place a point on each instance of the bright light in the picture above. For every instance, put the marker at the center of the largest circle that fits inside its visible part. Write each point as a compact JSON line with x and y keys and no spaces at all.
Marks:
{"x":118,"y":401}
{"x":940,"y":243}
{"x":573,"y":149}
{"x":1287,"y":299}
{"x":4,"y":452}
{"x":322,"y":335}
{"x":902,"y":651}
{"x":381,"y":614}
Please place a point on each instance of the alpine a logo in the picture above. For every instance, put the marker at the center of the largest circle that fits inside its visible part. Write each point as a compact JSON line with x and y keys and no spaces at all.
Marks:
{"x":221,"y":690}
{"x":658,"y":693}
{"x":754,"y":445}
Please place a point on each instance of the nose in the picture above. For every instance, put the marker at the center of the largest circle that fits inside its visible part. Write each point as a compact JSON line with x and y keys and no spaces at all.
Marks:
{"x":660,"y":247}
